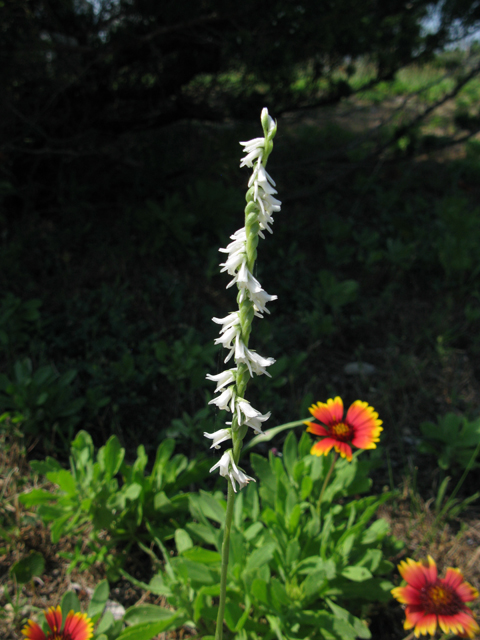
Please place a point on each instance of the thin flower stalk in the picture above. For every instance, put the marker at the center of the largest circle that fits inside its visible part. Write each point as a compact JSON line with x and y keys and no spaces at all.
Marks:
{"x":252,"y":301}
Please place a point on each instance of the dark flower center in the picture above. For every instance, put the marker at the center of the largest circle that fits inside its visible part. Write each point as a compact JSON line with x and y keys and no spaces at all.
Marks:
{"x":341,"y":431}
{"x":440,"y":599}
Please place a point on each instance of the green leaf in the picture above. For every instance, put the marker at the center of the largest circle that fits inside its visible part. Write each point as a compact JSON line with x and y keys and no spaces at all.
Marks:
{"x":69,"y":602}
{"x":182,"y":540}
{"x":314,"y":584}
{"x":58,"y":528}
{"x":132,"y":491}
{"x":65,"y":481}
{"x":376,"y":531}
{"x":253,"y":530}
{"x":161,"y":502}
{"x":41,"y":399}
{"x":44,"y":466}
{"x":106,"y":623}
{"x":35,"y":497}
{"x":372,"y":590}
{"x":290,"y":453}
{"x":194,"y":572}
{"x":209,"y":506}
{"x":259,"y":589}
{"x":293,"y":551}
{"x":204,"y":556}
{"x":357,"y":574}
{"x":26,"y":568}
{"x":294,"y":519}
{"x":278,"y":594}
{"x":204,"y":532}
{"x":99,"y":600}
{"x":260,"y":556}
{"x":342,"y":615}
{"x":113,"y":455}
{"x":306,"y":487}
{"x":264,"y":472}
{"x":266,"y":436}
{"x":148,"y":613}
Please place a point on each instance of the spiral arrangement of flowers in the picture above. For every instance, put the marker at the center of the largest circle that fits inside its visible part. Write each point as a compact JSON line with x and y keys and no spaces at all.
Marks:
{"x":252,"y":301}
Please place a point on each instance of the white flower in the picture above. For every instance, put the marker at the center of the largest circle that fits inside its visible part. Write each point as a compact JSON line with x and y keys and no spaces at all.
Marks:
{"x":224,"y":378}
{"x":228,"y":321}
{"x":253,"y":144}
{"x":225,"y":398}
{"x":233,"y":262}
{"x":219,"y":436}
{"x":239,"y":238}
{"x":260,"y":299}
{"x":256,"y":422}
{"x":254,"y":153}
{"x":254,"y":361}
{"x":223,"y":463}
{"x":228,"y":468}
{"x":235,"y":328}
{"x":251,"y":416}
{"x":239,"y":476}
{"x":231,"y":328}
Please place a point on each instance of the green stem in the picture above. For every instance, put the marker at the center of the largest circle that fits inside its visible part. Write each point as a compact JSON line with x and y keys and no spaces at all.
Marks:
{"x":325,"y":482}
{"x":225,"y":553}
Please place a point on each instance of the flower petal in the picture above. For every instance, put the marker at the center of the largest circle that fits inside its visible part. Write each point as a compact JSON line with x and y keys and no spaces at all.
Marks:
{"x":361,"y":415}
{"x":317,"y":429}
{"x":330,"y":412}
{"x":78,"y":626}
{"x":33,"y":631}
{"x":54,"y":618}
{"x":427,"y":624}
{"x":344,"y":449}
{"x":323,"y":447}
{"x":414,"y":573}
{"x":407,"y":595}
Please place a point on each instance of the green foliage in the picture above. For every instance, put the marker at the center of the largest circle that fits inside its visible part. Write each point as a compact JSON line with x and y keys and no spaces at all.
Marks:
{"x":25,"y":569}
{"x":328,"y":297}
{"x":90,"y":496}
{"x":44,"y":399}
{"x":453,"y":440}
{"x":18,"y":321}
{"x":458,"y":242}
{"x":294,"y":571}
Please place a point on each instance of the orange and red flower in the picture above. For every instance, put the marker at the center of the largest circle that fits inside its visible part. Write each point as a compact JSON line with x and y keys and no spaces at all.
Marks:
{"x":360,"y":428}
{"x":77,"y":627}
{"x":432,"y":601}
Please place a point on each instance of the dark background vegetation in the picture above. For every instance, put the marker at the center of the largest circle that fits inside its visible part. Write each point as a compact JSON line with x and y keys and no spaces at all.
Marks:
{"x":119,"y":180}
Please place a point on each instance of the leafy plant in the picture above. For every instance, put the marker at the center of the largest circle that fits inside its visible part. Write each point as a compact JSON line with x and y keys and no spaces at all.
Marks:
{"x":44,"y":399}
{"x":18,"y":320}
{"x":452,"y":440}
{"x":90,"y":497}
{"x":329,"y":296}
{"x":458,"y":242}
{"x":294,"y":571}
